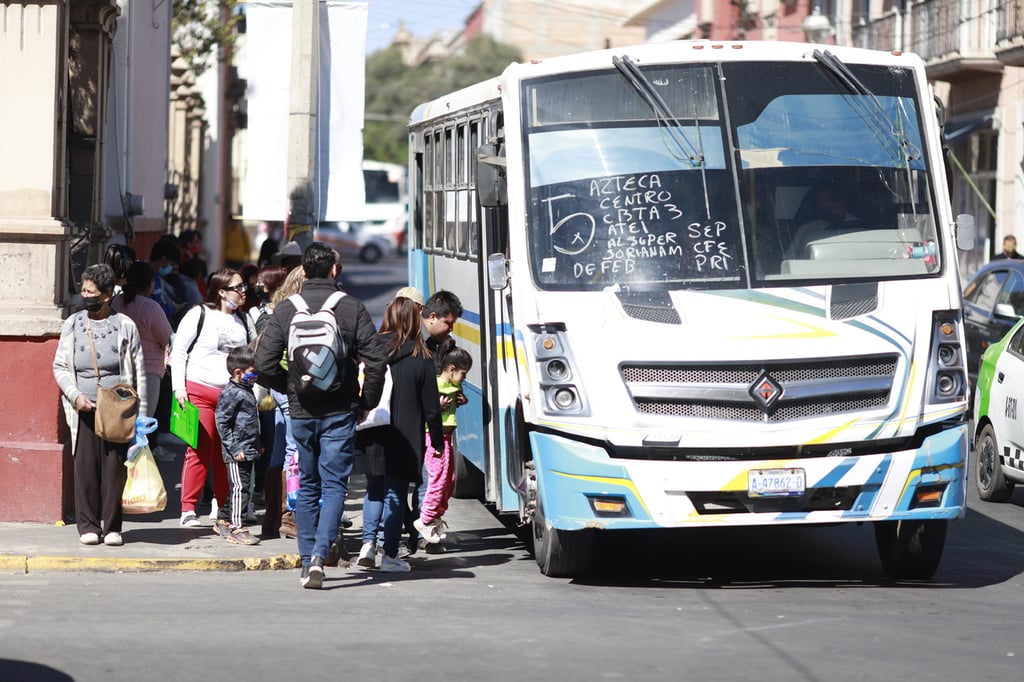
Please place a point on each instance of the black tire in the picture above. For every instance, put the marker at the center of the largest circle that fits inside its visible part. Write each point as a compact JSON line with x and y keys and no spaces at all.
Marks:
{"x":910,"y":550}
{"x":370,"y":254}
{"x":988,"y":473}
{"x":560,"y":553}
{"x":469,"y":481}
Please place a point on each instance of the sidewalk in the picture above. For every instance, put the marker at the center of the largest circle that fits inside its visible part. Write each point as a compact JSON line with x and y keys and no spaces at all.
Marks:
{"x":156,"y":542}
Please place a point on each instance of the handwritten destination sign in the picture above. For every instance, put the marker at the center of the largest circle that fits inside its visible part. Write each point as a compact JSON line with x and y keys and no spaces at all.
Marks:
{"x":634,"y":228}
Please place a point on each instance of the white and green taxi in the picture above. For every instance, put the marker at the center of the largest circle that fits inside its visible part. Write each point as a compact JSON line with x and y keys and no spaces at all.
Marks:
{"x":999,"y":417}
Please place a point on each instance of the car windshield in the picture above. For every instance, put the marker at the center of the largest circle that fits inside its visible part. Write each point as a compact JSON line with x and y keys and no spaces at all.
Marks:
{"x":787,"y":176}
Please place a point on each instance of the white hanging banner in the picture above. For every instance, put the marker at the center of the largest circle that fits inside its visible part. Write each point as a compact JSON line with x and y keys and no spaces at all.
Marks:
{"x":342,"y":86}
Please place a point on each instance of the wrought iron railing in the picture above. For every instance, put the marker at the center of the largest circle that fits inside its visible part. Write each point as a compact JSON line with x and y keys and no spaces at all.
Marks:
{"x":938,"y":29}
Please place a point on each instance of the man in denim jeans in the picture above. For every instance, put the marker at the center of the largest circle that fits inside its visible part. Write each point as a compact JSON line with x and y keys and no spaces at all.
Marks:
{"x":323,"y":422}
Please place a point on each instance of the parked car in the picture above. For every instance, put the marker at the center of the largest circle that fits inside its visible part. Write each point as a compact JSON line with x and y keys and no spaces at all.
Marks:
{"x":352,"y":240}
{"x":993,"y":302}
{"x":999,"y":418}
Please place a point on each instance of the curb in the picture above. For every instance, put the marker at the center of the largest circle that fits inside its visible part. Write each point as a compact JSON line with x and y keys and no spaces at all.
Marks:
{"x":27,"y":564}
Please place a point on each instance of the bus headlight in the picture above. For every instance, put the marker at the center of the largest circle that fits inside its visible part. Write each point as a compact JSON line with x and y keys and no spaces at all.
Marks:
{"x":947,"y":373}
{"x":564,"y":398}
{"x":557,"y":369}
{"x":559,"y":380}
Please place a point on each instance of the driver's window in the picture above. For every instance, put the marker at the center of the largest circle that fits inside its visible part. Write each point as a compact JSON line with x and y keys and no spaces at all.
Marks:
{"x":1016,"y":344}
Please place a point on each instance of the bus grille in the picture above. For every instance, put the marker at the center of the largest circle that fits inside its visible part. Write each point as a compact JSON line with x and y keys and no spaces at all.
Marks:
{"x":773,"y":392}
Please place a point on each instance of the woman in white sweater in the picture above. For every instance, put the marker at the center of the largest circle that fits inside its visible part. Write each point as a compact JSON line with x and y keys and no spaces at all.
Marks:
{"x":198,"y":373}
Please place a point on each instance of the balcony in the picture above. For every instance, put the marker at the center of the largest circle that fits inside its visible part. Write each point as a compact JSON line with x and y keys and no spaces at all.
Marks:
{"x":953,"y":37}
{"x":1010,"y":33}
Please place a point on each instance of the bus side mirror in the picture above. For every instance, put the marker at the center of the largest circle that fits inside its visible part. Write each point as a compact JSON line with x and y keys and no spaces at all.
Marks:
{"x":490,"y":176}
{"x":497,"y":271}
{"x":965,"y":231}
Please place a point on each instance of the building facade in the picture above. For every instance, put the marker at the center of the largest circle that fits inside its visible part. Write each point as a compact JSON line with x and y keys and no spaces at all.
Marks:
{"x":83,"y":159}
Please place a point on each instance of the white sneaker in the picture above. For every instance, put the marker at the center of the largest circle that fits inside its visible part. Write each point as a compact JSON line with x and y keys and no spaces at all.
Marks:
{"x":394,"y":565}
{"x":189,"y":519}
{"x":213,"y":509}
{"x":428,"y":532}
{"x":113,"y":540}
{"x":89,"y":538}
{"x":441,"y":527}
{"x":367,"y":555}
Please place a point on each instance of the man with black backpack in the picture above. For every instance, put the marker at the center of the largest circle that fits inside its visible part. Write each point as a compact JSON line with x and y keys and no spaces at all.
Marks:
{"x":326,"y":334}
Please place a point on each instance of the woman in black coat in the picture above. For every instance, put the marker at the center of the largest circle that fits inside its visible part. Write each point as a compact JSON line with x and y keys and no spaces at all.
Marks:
{"x":392,"y":455}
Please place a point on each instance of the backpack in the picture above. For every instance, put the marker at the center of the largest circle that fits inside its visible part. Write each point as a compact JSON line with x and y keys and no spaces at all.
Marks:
{"x":316,"y":349}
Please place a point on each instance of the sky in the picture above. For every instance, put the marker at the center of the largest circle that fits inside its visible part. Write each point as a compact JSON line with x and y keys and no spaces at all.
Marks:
{"x":421,"y":17}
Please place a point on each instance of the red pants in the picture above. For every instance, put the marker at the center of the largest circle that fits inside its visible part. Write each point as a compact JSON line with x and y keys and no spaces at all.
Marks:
{"x":440,"y":481}
{"x":199,"y":461}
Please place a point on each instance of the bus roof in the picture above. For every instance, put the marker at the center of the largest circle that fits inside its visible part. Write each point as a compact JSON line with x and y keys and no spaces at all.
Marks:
{"x":651,"y":53}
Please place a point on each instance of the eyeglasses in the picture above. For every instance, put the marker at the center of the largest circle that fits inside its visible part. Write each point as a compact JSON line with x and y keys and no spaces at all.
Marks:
{"x":238,"y":288}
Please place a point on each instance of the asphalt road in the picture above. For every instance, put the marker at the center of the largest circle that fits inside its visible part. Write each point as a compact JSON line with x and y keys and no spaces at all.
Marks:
{"x":773,"y":605}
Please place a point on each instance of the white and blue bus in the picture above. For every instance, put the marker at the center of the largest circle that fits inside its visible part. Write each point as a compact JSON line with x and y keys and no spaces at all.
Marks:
{"x":669,"y":330}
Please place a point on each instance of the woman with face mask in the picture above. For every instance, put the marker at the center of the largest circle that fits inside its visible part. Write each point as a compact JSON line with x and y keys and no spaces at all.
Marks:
{"x":198,"y":373}
{"x":98,"y":347}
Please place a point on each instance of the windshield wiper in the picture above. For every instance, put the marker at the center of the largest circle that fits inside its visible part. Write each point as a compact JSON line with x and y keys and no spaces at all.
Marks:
{"x":875,"y":111}
{"x":649,"y":94}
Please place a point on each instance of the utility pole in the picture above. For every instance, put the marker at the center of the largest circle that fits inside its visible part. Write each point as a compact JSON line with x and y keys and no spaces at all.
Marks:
{"x":302,"y":121}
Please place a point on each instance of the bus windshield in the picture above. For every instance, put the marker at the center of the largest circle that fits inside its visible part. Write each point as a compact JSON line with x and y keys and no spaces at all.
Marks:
{"x":752,"y":174}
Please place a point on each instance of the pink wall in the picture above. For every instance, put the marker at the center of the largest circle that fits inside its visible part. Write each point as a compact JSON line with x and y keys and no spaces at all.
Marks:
{"x":36,"y":479}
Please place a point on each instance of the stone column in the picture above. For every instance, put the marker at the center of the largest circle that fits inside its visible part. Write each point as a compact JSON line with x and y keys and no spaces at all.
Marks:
{"x":36,"y":235}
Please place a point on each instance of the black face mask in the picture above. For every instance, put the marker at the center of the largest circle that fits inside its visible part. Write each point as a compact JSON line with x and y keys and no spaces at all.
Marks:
{"x":92,"y":303}
{"x":260,"y":292}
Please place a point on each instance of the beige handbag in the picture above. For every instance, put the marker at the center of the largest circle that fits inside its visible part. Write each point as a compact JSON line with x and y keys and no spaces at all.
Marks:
{"x":116,"y":407}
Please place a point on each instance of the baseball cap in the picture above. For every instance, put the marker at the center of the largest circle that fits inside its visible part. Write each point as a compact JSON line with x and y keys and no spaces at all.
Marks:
{"x":411,"y":293}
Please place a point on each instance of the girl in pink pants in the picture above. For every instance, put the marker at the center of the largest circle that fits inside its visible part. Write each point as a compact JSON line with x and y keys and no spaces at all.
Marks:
{"x":453,"y":365}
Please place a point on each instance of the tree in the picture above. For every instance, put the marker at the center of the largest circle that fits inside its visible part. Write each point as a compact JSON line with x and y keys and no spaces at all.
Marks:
{"x":393,"y":90}
{"x":200,"y":32}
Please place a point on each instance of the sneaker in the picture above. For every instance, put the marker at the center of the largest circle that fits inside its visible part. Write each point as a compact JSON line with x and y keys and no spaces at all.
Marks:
{"x":429,"y":532}
{"x":345,"y":522}
{"x":367,"y":556}
{"x":312,"y":576}
{"x":441,"y":527}
{"x":222,"y":528}
{"x":241,"y":536}
{"x":214,"y":509}
{"x":394,"y":565}
{"x":189,"y":519}
{"x":89,"y":538}
{"x":113,"y":539}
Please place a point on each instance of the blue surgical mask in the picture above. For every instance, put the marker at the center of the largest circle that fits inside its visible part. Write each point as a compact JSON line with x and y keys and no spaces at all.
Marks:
{"x":165,"y":270}
{"x":249,"y":378}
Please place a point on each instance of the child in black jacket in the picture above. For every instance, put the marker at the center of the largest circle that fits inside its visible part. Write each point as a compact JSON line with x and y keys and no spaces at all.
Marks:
{"x":238,"y":424}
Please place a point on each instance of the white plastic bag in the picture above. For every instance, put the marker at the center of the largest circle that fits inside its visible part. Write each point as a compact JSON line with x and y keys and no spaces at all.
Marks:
{"x":380,"y":415}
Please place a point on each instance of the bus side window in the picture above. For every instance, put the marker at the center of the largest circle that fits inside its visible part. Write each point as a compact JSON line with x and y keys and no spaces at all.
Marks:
{"x":472,"y":214}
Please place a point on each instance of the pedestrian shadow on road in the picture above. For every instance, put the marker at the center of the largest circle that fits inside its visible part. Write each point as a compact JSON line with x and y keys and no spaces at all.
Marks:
{"x":25,"y":670}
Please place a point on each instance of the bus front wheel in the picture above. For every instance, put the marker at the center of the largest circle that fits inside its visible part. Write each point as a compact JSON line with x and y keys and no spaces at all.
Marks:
{"x":560,"y":553}
{"x":910,"y":550}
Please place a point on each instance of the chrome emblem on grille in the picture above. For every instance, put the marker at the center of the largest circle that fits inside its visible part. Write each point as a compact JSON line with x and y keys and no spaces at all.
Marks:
{"x":765,"y":391}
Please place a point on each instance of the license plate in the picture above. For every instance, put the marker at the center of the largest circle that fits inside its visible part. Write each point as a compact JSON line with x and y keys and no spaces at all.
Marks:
{"x":776,"y":482}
